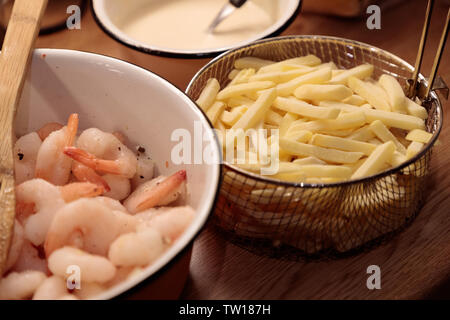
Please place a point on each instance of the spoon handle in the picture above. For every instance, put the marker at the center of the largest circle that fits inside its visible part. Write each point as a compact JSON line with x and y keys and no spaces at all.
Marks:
{"x":23,"y":28}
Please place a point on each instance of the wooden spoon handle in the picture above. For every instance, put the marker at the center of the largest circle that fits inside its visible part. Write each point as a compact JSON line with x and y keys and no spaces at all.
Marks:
{"x":23,"y":28}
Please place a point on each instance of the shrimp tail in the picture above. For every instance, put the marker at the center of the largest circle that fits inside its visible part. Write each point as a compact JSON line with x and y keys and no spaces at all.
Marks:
{"x":72,"y":128}
{"x":86,"y":174}
{"x":162,"y":190}
{"x":76,"y":190}
{"x":91,"y":161}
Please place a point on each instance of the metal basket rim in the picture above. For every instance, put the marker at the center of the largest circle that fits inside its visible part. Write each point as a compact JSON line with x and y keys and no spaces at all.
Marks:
{"x":345,"y":41}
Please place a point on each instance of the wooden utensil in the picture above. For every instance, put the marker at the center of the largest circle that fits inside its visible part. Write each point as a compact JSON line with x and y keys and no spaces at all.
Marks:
{"x":19,"y":41}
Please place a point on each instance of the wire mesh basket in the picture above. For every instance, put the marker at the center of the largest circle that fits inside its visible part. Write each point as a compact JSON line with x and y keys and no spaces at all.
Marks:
{"x":277,"y":217}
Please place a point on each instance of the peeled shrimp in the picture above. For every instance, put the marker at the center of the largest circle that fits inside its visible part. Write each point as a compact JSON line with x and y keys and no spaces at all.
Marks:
{"x":89,"y":290}
{"x":51,"y":163}
{"x":47,"y":201}
{"x":93,"y":268}
{"x":48,"y":128}
{"x":76,"y":190}
{"x":26,"y":150}
{"x":16,"y":245}
{"x":171,"y":222}
{"x":137,"y":248}
{"x":22,"y":285}
{"x":157,"y":192}
{"x":103,"y":152}
{"x":144,"y":170}
{"x":52,"y":288}
{"x":119,"y":186}
{"x":86,"y":174}
{"x":30,"y":259}
{"x":87,"y":224}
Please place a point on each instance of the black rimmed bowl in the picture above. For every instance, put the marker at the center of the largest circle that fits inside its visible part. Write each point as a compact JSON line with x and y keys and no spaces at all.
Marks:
{"x":110,"y":15}
{"x":298,"y":219}
{"x":114,"y":95}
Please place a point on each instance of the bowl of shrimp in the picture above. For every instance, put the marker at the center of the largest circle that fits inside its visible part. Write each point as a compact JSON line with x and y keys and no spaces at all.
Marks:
{"x":102,"y":209}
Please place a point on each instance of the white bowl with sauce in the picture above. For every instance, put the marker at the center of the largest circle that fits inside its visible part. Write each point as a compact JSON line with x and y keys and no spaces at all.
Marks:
{"x":178,"y":27}
{"x":114,"y":95}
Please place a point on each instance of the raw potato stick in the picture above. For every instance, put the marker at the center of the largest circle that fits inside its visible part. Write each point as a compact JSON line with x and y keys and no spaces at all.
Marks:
{"x":376,"y":161}
{"x":208,"y":94}
{"x":239,"y":89}
{"x":383,"y":133}
{"x":342,"y":144}
{"x":419,"y":136}
{"x":215,"y":111}
{"x":319,"y":76}
{"x":395,"y":93}
{"x":361,"y":72}
{"x":319,"y":92}
{"x":329,"y":155}
{"x":390,"y":119}
{"x":305,"y":109}
{"x":309,"y":61}
{"x":251,"y":62}
{"x":371,"y":93}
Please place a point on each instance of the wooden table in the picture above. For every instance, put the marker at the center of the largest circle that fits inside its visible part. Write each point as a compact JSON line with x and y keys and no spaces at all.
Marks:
{"x":415,"y":264}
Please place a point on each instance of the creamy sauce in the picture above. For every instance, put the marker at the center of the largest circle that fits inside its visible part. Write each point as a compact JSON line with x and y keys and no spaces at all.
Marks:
{"x":183,"y":24}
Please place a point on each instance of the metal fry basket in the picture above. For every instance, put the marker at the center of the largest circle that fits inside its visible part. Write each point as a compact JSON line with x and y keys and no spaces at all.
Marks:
{"x":297,"y":219}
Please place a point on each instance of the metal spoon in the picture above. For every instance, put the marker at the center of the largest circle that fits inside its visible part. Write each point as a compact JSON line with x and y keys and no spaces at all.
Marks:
{"x":225,"y":12}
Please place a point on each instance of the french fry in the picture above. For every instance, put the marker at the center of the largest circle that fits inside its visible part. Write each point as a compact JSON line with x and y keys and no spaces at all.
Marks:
{"x":239,"y":89}
{"x":256,"y":111}
{"x":287,"y":121}
{"x":362,"y":134}
{"x":397,"y":159}
{"x":416,"y":110}
{"x":395,"y":93}
{"x":419,"y":136}
{"x":316,"y":77}
{"x":344,"y":121}
{"x":309,"y":160}
{"x":209,"y":93}
{"x":312,"y":171}
{"x":233,"y":73}
{"x":376,"y":161}
{"x":305,"y":109}
{"x":273,"y":117}
{"x":343,"y":144}
{"x":413,"y":149}
{"x":300,"y":136}
{"x":215,"y":111}
{"x":251,"y":62}
{"x":361,"y":72}
{"x":281,"y":76}
{"x":231,"y":117}
{"x":319,"y":92}
{"x":383,"y":133}
{"x":355,"y":100}
{"x":329,"y":155}
{"x":234,"y":102}
{"x":337,"y":133}
{"x":370,"y":93}
{"x":390,"y":119}
{"x":242,"y":76}
{"x":309,"y":61}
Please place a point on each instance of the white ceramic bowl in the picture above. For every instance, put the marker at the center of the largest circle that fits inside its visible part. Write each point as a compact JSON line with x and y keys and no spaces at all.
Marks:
{"x":114,"y":95}
{"x":109,"y":13}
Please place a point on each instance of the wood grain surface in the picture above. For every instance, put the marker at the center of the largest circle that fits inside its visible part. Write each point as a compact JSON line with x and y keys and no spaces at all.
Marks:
{"x":415,"y":264}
